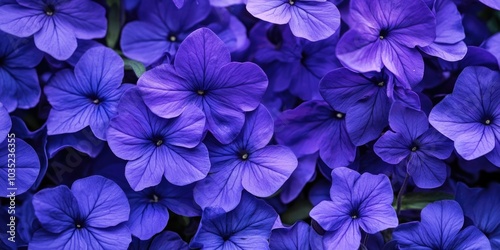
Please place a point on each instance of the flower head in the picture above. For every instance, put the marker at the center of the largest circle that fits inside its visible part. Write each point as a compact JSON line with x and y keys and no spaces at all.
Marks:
{"x":471,"y":114}
{"x":421,"y":148}
{"x":156,"y":147}
{"x":314,"y":126}
{"x":357,"y":201}
{"x":236,"y":229}
{"x":54,"y":24}
{"x":87,"y":96}
{"x":89,"y":216}
{"x":204,"y":76}
{"x":149,"y":208}
{"x":384,"y":33}
{"x":246,"y":163}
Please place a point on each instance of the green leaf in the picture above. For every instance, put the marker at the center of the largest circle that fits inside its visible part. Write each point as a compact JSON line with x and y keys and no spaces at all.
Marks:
{"x":136,"y":66}
{"x":420,"y":200}
{"x":114,"y":24}
{"x":298,"y":211}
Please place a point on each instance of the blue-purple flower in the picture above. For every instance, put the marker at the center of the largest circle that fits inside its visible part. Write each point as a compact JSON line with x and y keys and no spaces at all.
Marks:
{"x":87,"y":96}
{"x":169,"y":240}
{"x":385,"y":33}
{"x":314,"y":126}
{"x":204,"y":76}
{"x":248,"y":226}
{"x":90,"y":215}
{"x":149,"y":208}
{"x":300,"y":236}
{"x":357,"y":202}
{"x":54,"y":24}
{"x":313,"y":20}
{"x":470,"y":116}
{"x":419,"y":147}
{"x":155,"y":147}
{"x":247,"y":163}
{"x":364,"y":100}
{"x":440,"y":228}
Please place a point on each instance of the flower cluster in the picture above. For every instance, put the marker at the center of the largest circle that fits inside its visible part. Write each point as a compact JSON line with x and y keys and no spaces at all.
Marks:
{"x":249,"y":124}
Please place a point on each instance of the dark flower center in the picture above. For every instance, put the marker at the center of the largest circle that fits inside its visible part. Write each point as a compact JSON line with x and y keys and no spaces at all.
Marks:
{"x":244,"y":155}
{"x":354,"y":214}
{"x":159,"y":142}
{"x":383,"y":34}
{"x":487,"y":121}
{"x":381,"y":84}
{"x":338,"y":115}
{"x":200,"y":92}
{"x":414,"y":149}
{"x":172,"y":38}
{"x":79,"y":224}
{"x":154,"y":199}
{"x":291,"y":2}
{"x":95,"y":99}
{"x":49,"y":10}
{"x":275,"y":37}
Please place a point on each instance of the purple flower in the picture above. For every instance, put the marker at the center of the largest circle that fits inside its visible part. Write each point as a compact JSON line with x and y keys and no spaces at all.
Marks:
{"x":292,"y":63}
{"x":5,"y":123}
{"x":20,"y":87}
{"x":161,"y":27}
{"x":88,"y":96}
{"x":448,"y":44}
{"x":89,"y":216}
{"x":54,"y":24}
{"x":471,"y":114}
{"x":420,"y":147}
{"x":314,"y":126}
{"x":357,"y":201}
{"x":441,"y":228}
{"x":313,"y":20}
{"x":25,"y":163}
{"x":384,"y":33}
{"x":363,"y":98}
{"x":203,"y":75}
{"x":481,"y":207}
{"x":248,"y":226}
{"x":168,"y":240}
{"x":149,"y":208}
{"x":246,"y":163}
{"x":154,"y":146}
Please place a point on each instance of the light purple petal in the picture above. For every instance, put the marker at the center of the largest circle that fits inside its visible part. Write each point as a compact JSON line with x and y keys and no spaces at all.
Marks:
{"x":103,"y":205}
{"x":185,"y":165}
{"x":56,"y":39}
{"x":220,"y":189}
{"x":201,"y":68}
{"x":274,"y":11}
{"x":392,"y":147}
{"x":314,"y":20}
{"x":346,"y":237}
{"x":56,"y":209}
{"x":268,"y":169}
{"x":20,"y":21}
{"x":360,"y":51}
